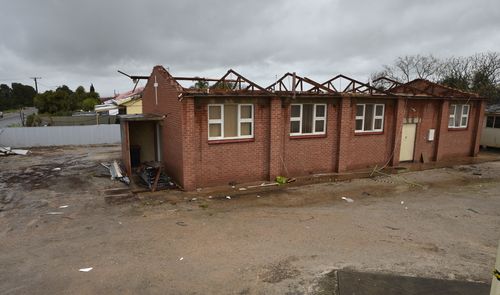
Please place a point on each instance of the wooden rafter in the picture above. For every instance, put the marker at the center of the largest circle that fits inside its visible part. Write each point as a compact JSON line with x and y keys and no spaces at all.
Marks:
{"x":237,"y":83}
{"x":299,"y":84}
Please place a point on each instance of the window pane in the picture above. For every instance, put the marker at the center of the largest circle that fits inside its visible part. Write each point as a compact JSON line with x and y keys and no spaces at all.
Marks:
{"x":214,"y":112}
{"x":378,"y":124}
{"x":294,"y":127}
{"x":246,"y":112}
{"x":489,"y":121}
{"x":246,"y":128}
{"x":451,"y":122}
{"x":452,"y":109}
{"x":320,"y":126}
{"x":230,"y":120}
{"x":464,"y":122}
{"x":379,"y":110}
{"x":320,"y":110}
{"x":458,"y":116}
{"x":307,"y":118}
{"x":465,"y":109}
{"x":359,"y":110}
{"x":369,"y":117}
{"x":497,"y":122}
{"x":295,"y":111}
{"x":214,"y":130}
{"x":359,"y":125}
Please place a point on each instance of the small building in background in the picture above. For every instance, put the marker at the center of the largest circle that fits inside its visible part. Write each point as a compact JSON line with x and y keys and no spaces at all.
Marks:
{"x":491,"y":129}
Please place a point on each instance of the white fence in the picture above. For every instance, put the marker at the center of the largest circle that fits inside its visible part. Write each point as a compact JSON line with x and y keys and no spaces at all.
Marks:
{"x":60,"y":135}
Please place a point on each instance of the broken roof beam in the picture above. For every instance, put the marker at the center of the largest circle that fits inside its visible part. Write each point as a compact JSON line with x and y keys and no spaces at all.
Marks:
{"x":230,"y":84}
{"x":298,"y":83}
{"x":353,"y":86}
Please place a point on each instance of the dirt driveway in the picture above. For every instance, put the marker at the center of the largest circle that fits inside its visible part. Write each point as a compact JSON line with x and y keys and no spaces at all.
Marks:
{"x":281,"y":242}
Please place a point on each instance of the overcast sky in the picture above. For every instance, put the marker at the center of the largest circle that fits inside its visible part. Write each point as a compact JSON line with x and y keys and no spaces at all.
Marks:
{"x":76,"y":42}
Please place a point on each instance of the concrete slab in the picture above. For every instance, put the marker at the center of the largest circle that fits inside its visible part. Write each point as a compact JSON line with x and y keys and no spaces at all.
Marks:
{"x":350,"y":283}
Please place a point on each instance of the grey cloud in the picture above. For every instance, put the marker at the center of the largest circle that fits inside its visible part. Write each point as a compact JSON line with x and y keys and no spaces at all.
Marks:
{"x":83,"y":42}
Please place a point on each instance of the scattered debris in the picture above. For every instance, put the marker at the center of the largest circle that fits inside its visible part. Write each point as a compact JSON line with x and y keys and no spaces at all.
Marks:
{"x":258,"y":196}
{"x":194,"y":199}
{"x":153,"y":176}
{"x":242,"y":189}
{"x":310,"y":218}
{"x":116,"y":172}
{"x":181,"y":223}
{"x":56,"y":169}
{"x":210,"y":197}
{"x":263,"y":184}
{"x":87,"y":269}
{"x":477,"y":173}
{"x":63,"y":206}
{"x":281,"y":179}
{"x":472,"y":210}
{"x":228,"y":197}
{"x":182,"y":258}
{"x":392,"y":228}
{"x":348,"y":200}
{"x":402,"y":202}
{"x":54,"y":213}
{"x":406,"y":208}
{"x":198,"y":189}
{"x":5,"y":151}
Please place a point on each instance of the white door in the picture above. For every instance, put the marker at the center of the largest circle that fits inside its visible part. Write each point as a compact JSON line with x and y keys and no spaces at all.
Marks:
{"x":407,"y":142}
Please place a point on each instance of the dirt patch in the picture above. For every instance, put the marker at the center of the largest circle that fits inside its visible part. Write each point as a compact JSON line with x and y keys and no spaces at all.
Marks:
{"x":274,"y":242}
{"x":279,"y":271}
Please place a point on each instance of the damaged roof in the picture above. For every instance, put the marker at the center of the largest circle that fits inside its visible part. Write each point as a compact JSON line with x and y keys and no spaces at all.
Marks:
{"x":290,"y":84}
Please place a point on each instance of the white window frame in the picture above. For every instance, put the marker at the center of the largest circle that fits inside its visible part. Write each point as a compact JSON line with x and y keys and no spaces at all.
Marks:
{"x":315,"y":118}
{"x":362,"y":118}
{"x":462,"y":115}
{"x":221,"y":122}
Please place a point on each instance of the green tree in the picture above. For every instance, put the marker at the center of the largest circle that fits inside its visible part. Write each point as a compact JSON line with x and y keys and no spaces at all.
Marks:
{"x":63,"y":101}
{"x":22,"y":95}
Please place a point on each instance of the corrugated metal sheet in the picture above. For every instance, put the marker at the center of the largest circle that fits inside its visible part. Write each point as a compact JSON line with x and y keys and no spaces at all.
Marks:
{"x":60,"y":135}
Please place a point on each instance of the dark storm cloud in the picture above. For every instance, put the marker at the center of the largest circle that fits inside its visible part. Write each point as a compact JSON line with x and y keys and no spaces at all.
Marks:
{"x":79,"y":42}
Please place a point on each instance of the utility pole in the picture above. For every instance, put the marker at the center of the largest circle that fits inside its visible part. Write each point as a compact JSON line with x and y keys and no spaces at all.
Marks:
{"x":36,"y":84}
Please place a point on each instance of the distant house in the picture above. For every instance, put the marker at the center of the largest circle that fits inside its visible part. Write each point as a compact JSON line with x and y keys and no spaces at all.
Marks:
{"x":491,"y":128}
{"x":237,"y":131}
{"x":129,"y":102}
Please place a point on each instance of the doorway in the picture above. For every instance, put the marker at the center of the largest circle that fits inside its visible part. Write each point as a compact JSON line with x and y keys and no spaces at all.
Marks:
{"x":407,"y":142}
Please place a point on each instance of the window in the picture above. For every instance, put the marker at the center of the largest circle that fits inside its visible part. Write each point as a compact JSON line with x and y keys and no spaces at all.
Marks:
{"x":493,"y":121}
{"x":307,"y":119}
{"x":490,"y":121}
{"x":459,"y":116}
{"x":369,"y":117}
{"x":230,"y":121}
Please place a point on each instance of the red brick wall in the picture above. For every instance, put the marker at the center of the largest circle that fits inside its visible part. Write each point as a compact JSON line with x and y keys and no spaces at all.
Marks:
{"x":460,"y":142}
{"x":311,"y":154}
{"x":228,"y":161}
{"x":428,"y":113}
{"x":370,"y":149}
{"x":169,"y":105}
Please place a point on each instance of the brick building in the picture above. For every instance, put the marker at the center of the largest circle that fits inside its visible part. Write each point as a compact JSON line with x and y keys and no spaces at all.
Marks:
{"x":237,"y":131}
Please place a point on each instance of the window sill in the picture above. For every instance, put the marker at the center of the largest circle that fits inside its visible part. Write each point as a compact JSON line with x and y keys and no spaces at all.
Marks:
{"x":234,"y":140}
{"x":306,"y":136}
{"x":457,"y":129}
{"x":368,"y":132}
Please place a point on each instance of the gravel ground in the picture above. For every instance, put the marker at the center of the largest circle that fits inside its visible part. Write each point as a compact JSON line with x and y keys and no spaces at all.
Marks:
{"x":282,"y":242}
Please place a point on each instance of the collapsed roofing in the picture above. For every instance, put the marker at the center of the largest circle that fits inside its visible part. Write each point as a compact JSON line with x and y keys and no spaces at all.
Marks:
{"x":292,"y":85}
